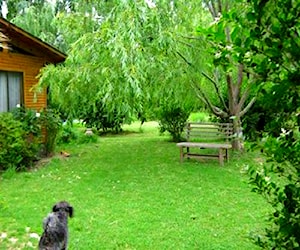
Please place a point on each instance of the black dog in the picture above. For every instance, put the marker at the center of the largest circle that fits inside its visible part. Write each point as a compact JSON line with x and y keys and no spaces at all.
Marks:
{"x":55,"y":225}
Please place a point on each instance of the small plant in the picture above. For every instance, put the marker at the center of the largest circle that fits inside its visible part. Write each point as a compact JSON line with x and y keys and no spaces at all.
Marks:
{"x":173,"y":120}
{"x":51,"y":122}
{"x":67,"y":134}
{"x":97,"y":116}
{"x":83,"y":138}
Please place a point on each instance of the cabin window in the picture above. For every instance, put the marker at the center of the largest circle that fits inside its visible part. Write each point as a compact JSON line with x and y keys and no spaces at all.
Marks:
{"x":11,"y":90}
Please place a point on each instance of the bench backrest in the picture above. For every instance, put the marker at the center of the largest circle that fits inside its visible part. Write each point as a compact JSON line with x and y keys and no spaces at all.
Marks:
{"x":209,"y":132}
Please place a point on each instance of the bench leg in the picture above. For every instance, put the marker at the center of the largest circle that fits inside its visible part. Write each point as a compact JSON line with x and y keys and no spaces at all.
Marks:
{"x":181,"y":154}
{"x":227,"y":155}
{"x":221,"y":157}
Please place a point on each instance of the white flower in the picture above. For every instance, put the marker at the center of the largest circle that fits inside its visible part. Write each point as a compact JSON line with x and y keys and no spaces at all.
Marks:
{"x":218,"y":55}
{"x":228,"y":47}
{"x":34,"y":235}
{"x":37,"y":115}
{"x":29,"y":244}
{"x":150,"y":4}
{"x":13,"y":240}
{"x":283,"y":131}
{"x":18,"y":105}
{"x":248,"y":54}
{"x":3,"y":235}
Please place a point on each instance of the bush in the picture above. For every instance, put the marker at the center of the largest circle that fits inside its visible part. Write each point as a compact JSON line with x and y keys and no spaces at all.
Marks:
{"x":278,"y":182}
{"x":51,"y":122}
{"x":260,"y":118}
{"x":29,"y":119}
{"x":98,"y":116}
{"x":67,"y":134}
{"x":19,"y":148}
{"x":83,"y":138}
{"x":173,"y":120}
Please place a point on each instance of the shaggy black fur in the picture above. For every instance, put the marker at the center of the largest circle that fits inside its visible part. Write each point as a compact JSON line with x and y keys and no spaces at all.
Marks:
{"x":55,"y":225}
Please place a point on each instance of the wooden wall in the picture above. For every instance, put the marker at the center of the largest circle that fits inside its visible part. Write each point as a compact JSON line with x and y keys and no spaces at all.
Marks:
{"x":30,"y":67}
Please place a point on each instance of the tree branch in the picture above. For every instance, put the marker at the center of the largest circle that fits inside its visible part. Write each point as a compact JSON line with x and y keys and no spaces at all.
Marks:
{"x":220,"y":6}
{"x":211,"y":8}
{"x":214,"y":109}
{"x":209,"y":79}
{"x":231,"y":97}
{"x":191,"y":37}
{"x":239,"y":79}
{"x":240,"y":74}
{"x":250,"y":104}
{"x":243,"y":99}
{"x":217,"y":90}
{"x":184,"y":59}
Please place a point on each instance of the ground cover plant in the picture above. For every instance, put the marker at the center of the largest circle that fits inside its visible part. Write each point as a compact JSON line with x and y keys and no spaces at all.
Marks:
{"x":129,"y":191}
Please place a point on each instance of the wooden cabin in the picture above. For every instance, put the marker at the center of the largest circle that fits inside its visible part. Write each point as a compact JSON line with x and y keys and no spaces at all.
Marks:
{"x":21,"y":57}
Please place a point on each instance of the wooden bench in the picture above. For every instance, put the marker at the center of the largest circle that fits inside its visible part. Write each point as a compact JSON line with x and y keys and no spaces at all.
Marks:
{"x":206,"y":136}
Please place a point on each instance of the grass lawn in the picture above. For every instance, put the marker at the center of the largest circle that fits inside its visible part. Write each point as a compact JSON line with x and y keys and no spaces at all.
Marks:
{"x":130,"y":192}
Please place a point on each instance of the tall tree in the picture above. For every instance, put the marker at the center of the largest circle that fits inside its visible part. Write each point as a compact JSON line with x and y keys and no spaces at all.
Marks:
{"x":127,"y":60}
{"x":232,"y":87}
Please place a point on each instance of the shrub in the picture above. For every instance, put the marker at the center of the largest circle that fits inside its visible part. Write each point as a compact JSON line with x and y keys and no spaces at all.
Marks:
{"x":278,"y":182}
{"x":173,"y":120}
{"x":29,"y":119}
{"x":83,"y":138}
{"x":99,"y":117}
{"x":19,"y":148}
{"x":67,"y":134}
{"x":51,"y":122}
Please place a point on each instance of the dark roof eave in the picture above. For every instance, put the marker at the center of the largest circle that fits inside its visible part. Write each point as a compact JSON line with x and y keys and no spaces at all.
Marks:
{"x":51,"y":53}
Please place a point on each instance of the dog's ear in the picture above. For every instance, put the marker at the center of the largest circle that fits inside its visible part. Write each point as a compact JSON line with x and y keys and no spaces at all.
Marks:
{"x":55,"y":208}
{"x":71,"y":211}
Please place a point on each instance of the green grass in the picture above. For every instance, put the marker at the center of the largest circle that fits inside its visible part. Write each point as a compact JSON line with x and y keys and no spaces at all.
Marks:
{"x":199,"y":117}
{"x":131,"y":192}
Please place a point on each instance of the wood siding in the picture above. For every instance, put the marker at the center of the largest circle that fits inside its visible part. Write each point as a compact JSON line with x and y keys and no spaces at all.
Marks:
{"x":30,"y":67}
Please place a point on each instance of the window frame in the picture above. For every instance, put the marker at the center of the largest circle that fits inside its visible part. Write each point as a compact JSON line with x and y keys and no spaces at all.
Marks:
{"x":22,"y":94}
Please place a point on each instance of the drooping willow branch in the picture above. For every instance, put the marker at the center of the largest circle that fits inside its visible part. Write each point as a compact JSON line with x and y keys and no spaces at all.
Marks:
{"x":209,"y":79}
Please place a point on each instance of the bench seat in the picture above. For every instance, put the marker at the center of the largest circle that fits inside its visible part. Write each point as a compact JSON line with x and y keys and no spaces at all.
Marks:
{"x":207,"y":131}
{"x":221,"y":155}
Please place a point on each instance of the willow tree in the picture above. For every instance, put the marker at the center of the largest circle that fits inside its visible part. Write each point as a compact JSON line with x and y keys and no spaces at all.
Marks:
{"x":128,"y":60}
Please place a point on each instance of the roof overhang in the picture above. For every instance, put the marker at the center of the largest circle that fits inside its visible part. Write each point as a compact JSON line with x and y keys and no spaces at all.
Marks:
{"x":29,"y":43}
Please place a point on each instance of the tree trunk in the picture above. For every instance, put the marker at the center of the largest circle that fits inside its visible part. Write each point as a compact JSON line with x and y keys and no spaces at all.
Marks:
{"x":238,"y":141}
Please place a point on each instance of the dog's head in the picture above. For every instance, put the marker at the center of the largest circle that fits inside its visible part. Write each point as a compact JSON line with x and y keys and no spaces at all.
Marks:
{"x":63,"y":206}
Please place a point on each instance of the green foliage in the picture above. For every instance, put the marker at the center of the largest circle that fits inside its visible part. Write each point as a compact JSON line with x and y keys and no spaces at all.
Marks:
{"x":273,"y":57}
{"x":19,"y":147}
{"x":199,"y":117}
{"x":278,"y":182}
{"x":67,"y":134}
{"x":260,"y":118}
{"x":39,"y":21}
{"x":125,"y":71}
{"x":100,"y":117}
{"x":172,"y":118}
{"x":29,"y":119}
{"x":51,"y":122}
{"x":85,"y":139}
